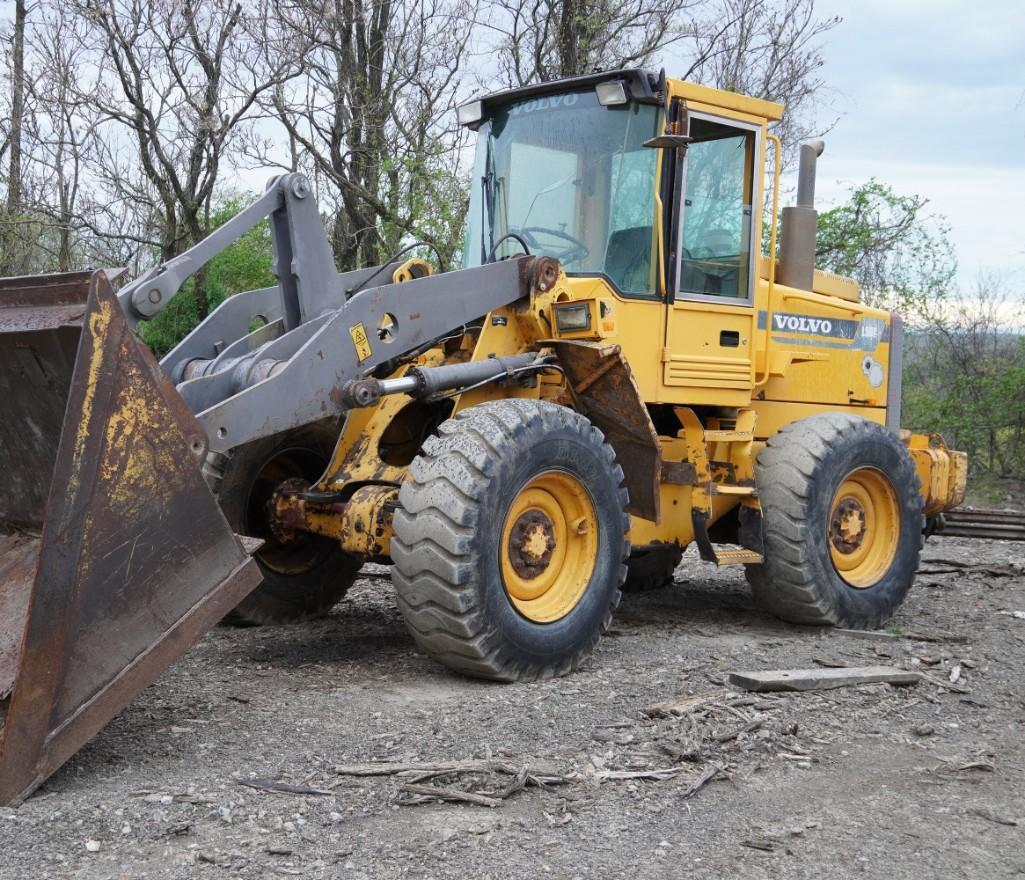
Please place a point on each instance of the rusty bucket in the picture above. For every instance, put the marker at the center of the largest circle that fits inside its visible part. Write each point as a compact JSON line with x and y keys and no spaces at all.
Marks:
{"x":114,"y":555}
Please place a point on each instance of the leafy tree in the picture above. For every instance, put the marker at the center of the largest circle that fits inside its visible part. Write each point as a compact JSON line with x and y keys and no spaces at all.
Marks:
{"x":901,"y":256}
{"x":964,"y":377}
{"x":246,"y":265}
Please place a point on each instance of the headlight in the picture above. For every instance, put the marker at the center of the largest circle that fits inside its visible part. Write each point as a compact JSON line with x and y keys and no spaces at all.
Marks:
{"x":571,"y":318}
{"x":611,"y":93}
{"x":470,"y":113}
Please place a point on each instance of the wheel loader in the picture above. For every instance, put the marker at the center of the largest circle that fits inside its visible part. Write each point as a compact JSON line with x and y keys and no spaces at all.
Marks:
{"x":625,"y":365}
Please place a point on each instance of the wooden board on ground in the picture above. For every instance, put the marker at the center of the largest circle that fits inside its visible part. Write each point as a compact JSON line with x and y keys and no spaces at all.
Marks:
{"x":821,"y":679}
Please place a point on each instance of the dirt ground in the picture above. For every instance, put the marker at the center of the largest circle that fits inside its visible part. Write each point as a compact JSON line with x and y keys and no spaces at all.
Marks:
{"x":868,"y":781}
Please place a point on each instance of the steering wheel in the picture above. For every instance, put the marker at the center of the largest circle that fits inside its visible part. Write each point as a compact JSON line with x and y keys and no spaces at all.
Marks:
{"x":575,"y":249}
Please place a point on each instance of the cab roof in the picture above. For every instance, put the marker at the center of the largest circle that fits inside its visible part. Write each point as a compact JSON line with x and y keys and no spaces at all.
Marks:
{"x":643,"y":86}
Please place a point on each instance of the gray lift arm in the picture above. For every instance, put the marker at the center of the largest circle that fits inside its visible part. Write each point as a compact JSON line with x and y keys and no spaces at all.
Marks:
{"x":318,"y":330}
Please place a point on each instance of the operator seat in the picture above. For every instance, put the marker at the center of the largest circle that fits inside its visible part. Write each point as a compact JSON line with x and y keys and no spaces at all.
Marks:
{"x":628,"y":259}
{"x":713,"y":266}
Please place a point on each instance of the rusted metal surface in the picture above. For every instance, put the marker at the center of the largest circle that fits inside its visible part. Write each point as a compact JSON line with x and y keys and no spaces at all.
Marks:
{"x":40,"y":320}
{"x":544,"y":272}
{"x":605,"y":391}
{"x":531,"y":542}
{"x":679,"y":473}
{"x":847,"y":525}
{"x":135,"y":560}
{"x":362,"y":525}
{"x":18,"y":556}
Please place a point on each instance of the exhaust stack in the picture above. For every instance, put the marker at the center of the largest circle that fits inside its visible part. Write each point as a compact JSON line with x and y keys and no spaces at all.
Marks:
{"x":797,"y":247}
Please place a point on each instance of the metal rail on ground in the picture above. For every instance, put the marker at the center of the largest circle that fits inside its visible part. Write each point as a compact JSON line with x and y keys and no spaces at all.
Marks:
{"x":981,"y":522}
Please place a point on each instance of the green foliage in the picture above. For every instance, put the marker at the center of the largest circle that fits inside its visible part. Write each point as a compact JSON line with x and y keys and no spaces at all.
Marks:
{"x":246,"y":265}
{"x":964,"y":377}
{"x":430,"y":191}
{"x":902,"y":257}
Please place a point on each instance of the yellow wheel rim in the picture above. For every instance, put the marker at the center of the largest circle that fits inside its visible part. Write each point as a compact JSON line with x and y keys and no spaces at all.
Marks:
{"x":549,"y":546}
{"x":864,"y":527}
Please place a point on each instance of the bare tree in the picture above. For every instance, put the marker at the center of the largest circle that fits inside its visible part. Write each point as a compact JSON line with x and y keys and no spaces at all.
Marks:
{"x":370,"y":116}
{"x":131,"y":110}
{"x":540,"y":40}
{"x":14,"y":183}
{"x":765,"y":48}
{"x":10,"y":249}
{"x":58,"y":131}
{"x":173,"y":78}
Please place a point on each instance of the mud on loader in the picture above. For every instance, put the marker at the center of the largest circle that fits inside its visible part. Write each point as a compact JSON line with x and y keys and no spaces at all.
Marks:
{"x":616,"y":372}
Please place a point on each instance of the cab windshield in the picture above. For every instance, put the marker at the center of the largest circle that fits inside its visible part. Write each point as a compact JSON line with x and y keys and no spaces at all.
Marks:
{"x":569,"y":178}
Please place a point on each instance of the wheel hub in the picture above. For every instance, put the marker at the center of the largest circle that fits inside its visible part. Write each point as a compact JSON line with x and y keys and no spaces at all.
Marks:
{"x":864,"y":527}
{"x":847,"y":525}
{"x":549,"y":546}
{"x":531,"y":543}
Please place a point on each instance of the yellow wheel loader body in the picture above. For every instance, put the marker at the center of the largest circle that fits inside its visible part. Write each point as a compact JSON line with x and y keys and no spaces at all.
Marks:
{"x":616,"y":372}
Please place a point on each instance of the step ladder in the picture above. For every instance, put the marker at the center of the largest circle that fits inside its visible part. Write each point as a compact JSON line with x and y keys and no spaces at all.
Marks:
{"x":721,"y":452}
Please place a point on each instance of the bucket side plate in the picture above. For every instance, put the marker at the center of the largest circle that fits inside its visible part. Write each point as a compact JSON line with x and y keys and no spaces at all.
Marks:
{"x":135,"y":560}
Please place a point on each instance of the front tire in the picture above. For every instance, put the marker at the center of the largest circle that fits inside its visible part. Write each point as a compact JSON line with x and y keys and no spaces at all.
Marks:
{"x":509,"y":542}
{"x":842,"y":522}
{"x":303,"y":578}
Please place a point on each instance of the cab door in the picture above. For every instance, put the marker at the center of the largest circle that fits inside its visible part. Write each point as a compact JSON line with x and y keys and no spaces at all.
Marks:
{"x":708,"y":356}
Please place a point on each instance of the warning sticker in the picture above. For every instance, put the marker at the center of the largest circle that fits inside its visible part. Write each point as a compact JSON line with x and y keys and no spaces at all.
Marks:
{"x":362,"y":343}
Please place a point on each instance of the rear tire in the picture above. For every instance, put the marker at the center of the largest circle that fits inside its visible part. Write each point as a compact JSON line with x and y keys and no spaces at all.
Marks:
{"x":842,"y":522}
{"x":509,"y":541}
{"x":306,"y":577}
{"x":651,"y":569}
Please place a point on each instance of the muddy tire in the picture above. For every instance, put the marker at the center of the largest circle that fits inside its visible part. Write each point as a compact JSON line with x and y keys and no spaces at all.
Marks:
{"x":651,"y":569}
{"x":308,"y":576}
{"x":509,"y":542}
{"x":842,"y":522}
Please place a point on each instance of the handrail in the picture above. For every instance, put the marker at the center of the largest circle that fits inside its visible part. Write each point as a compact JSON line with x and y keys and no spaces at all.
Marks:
{"x":772,"y":251}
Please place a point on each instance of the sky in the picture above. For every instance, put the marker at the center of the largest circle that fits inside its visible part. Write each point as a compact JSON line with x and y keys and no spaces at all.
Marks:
{"x":931,"y":99}
{"x":928,"y":97}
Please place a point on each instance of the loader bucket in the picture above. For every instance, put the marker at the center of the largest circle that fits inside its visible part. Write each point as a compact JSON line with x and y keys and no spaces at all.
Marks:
{"x":114,"y":555}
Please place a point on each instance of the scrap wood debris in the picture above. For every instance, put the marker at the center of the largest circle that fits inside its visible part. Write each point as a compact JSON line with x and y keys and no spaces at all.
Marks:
{"x":695,"y":703}
{"x":821,"y":679}
{"x":959,"y":765}
{"x":475,"y":781}
{"x":687,"y":740}
{"x":909,"y":635}
{"x":425,"y":770}
{"x":696,"y":731}
{"x":954,"y":566}
{"x":274,"y":787}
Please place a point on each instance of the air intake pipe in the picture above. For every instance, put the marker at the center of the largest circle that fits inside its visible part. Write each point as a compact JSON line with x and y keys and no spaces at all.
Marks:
{"x":797,"y":247}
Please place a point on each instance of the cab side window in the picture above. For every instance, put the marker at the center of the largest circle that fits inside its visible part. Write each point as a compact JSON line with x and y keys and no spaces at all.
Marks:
{"x":717,"y":211}
{"x":630,"y":245}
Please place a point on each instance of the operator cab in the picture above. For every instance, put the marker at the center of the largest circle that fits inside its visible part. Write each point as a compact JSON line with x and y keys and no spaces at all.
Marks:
{"x":562,"y":169}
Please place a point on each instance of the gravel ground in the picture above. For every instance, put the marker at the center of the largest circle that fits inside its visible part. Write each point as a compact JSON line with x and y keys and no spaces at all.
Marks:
{"x":867,"y":781}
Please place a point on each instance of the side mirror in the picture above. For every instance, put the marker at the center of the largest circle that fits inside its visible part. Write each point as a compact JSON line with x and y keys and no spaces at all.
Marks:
{"x":669,"y":141}
{"x":675,"y":136}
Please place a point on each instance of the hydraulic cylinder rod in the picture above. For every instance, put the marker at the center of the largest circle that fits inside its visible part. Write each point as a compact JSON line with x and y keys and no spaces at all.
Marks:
{"x":423,"y":382}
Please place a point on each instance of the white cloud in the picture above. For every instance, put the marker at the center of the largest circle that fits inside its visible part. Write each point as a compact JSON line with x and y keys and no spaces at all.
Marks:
{"x":932,"y":94}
